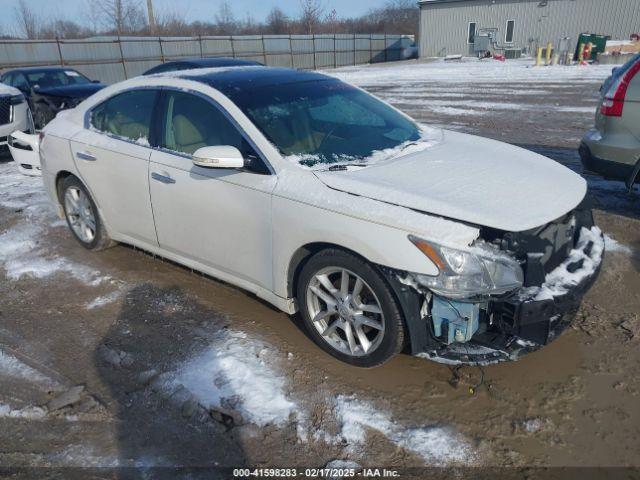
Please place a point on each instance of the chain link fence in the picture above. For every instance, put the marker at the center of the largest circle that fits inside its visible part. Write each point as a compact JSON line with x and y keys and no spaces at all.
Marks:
{"x":112,"y":59}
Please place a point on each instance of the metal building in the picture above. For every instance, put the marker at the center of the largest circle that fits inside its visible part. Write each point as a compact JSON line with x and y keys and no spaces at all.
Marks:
{"x":448,"y":27}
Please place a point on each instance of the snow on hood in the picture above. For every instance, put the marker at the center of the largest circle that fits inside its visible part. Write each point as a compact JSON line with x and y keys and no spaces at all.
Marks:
{"x":7,"y":90}
{"x":472,"y":179}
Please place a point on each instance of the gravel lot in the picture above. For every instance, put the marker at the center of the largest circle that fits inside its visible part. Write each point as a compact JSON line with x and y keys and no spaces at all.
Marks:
{"x":118,"y":360}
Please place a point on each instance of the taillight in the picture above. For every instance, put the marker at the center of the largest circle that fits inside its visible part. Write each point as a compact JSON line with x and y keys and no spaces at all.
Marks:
{"x":613,"y":103}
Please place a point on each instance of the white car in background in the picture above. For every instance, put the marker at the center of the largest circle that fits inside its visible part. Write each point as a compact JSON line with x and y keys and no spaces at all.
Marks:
{"x":15,"y":116}
{"x":321,"y":199}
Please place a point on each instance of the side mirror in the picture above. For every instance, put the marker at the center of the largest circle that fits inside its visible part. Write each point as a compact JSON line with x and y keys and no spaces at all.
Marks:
{"x":218,"y":157}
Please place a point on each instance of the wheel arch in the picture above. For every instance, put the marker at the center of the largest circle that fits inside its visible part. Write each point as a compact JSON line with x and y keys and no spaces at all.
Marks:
{"x":302,"y":255}
{"x":60,"y":177}
{"x":407,"y":298}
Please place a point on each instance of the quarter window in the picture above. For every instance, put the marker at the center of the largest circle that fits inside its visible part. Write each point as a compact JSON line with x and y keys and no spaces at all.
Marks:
{"x":471,"y":32}
{"x":508,"y":36}
{"x":127,"y":115}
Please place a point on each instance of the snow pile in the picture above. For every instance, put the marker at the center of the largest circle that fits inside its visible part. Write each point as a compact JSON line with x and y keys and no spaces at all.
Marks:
{"x":558,"y":282}
{"x":236,"y":373}
{"x":435,"y":445}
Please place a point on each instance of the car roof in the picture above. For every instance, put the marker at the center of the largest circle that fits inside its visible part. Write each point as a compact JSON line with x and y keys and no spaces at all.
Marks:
{"x":217,"y":62}
{"x":38,"y":70}
{"x":208,"y":62}
{"x":232,"y":81}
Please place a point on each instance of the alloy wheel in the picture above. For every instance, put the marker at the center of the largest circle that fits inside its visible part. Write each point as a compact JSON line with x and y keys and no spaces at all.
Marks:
{"x":80,"y":214}
{"x":345,"y":311}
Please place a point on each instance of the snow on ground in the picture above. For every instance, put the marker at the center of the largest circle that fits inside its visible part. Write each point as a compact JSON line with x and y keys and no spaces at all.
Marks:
{"x":435,"y":445}
{"x":612,"y":245}
{"x":13,"y":367}
{"x":29,"y":413}
{"x":23,"y":250}
{"x":107,"y":299}
{"x":237,"y":373}
{"x":469,"y":71}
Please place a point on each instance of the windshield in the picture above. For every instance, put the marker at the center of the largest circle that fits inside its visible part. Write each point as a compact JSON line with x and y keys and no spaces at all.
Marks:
{"x":326,"y":122}
{"x":56,"y":78}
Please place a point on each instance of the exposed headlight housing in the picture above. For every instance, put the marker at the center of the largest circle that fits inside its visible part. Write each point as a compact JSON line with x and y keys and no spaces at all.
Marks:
{"x":479,"y":272}
{"x":17,"y":99}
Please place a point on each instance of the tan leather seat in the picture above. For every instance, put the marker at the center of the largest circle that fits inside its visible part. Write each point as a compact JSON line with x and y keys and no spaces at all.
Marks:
{"x":187,"y":136}
{"x":124,"y":127}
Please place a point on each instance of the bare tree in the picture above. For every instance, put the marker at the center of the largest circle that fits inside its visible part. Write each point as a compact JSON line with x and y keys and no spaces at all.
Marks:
{"x":27,"y":20}
{"x":225,"y":20}
{"x":331,"y":22}
{"x":277,"y":21}
{"x":120,"y":16}
{"x":173,"y":23}
{"x":311,"y":17}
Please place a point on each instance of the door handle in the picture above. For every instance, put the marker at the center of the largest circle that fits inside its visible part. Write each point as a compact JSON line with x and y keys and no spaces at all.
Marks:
{"x":86,"y":156}
{"x":163,"y":177}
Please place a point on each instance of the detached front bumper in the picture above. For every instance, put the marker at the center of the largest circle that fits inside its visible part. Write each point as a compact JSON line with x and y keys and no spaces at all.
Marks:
{"x":521,"y":323}
{"x":25,"y":150}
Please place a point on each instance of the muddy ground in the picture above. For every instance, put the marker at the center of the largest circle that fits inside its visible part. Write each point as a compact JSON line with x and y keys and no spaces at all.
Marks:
{"x":118,"y":324}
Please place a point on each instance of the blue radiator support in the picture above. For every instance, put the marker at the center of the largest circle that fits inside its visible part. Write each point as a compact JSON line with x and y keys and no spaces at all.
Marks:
{"x":454,"y":321}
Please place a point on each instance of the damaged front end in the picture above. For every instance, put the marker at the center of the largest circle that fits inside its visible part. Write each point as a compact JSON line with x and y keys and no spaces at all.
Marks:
{"x":510,"y":294}
{"x":46,"y":107}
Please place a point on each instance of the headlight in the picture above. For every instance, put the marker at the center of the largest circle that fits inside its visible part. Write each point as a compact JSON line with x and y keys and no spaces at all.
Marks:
{"x":469,"y":274}
{"x":17,"y":99}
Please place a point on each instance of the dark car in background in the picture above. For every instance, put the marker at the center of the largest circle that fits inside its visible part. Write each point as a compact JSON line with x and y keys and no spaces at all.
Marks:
{"x":50,"y":89}
{"x":191,"y":63}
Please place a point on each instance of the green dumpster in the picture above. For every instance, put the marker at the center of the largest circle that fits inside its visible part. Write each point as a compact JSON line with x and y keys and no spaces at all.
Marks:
{"x":599,"y":43}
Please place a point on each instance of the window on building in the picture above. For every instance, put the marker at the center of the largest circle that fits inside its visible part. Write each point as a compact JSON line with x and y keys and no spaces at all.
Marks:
{"x":508,"y":36}
{"x":471,"y":34}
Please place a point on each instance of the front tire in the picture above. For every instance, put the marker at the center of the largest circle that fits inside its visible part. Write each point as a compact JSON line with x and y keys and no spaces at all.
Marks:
{"x":82,"y":215}
{"x":349,"y":310}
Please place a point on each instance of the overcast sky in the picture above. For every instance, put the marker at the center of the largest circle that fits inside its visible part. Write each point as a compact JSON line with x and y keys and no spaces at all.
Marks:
{"x":193,"y":9}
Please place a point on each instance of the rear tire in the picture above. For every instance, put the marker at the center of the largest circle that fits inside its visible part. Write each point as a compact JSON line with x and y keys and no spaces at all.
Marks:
{"x":349,"y":310}
{"x":82,"y":215}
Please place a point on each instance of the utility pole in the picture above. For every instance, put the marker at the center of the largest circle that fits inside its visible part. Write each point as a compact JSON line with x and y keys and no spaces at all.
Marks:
{"x":152,"y":19}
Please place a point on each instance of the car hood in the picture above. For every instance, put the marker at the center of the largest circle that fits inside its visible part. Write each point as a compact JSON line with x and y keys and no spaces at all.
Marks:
{"x":72,"y":91}
{"x":471,"y":179}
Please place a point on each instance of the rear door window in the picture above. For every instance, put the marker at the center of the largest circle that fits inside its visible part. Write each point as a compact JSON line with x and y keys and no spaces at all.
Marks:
{"x":126,"y":116}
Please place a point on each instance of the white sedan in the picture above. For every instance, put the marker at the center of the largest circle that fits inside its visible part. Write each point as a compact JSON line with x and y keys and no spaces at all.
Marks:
{"x":321,"y":199}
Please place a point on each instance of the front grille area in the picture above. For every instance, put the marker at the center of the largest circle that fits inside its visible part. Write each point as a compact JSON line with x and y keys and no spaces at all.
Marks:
{"x":5,"y":109}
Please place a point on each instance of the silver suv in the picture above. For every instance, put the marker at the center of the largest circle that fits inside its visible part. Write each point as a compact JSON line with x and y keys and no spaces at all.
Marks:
{"x":612,"y":148}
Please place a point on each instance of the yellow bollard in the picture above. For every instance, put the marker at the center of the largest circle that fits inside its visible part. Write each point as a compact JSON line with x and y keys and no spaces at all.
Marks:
{"x":556,"y":59}
{"x":548,"y":55}
{"x":581,"y":53}
{"x":539,"y":57}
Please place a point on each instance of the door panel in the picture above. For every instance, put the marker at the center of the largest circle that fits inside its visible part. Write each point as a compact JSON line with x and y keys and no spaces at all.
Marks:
{"x":218,"y":217}
{"x":116,"y":172}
